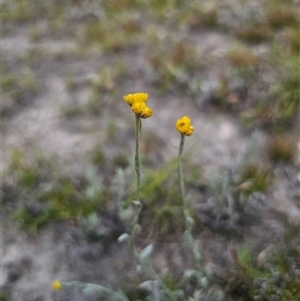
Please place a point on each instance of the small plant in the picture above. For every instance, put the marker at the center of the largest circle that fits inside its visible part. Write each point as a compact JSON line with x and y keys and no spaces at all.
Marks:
{"x":284,"y":95}
{"x":293,"y":41}
{"x":241,"y":57}
{"x":138,"y":105}
{"x":184,"y":127}
{"x":254,"y":179}
{"x":281,"y":148}
{"x":35,"y":34}
{"x":202,"y":17}
{"x":18,"y":88}
{"x":282,"y":15}
{"x":166,"y":288}
{"x":274,"y":281}
{"x":253,"y":33}
{"x":176,"y":68}
{"x":137,"y":102}
{"x":47,"y":195}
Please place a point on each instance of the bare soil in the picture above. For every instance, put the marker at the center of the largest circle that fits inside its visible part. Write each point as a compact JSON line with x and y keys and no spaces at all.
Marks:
{"x":30,"y":262}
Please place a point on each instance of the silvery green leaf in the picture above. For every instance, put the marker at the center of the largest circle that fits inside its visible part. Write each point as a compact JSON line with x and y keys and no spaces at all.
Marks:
{"x":122,"y":295}
{"x":196,"y":251}
{"x":152,"y":287}
{"x":126,"y":214}
{"x":199,"y":274}
{"x":190,"y":221}
{"x":123,"y":237}
{"x":88,"y":291}
{"x":149,"y":285}
{"x":197,"y":295}
{"x":178,"y":293}
{"x":91,"y":173}
{"x":138,"y":229}
{"x":204,"y":282}
{"x":146,"y":252}
{"x":91,"y":289}
{"x":120,"y":172}
{"x":137,"y":203}
{"x":189,"y":273}
{"x":216,"y":293}
{"x":92,"y":218}
{"x":94,"y":181}
{"x":187,"y":236}
{"x":90,"y":192}
{"x":139,"y":269}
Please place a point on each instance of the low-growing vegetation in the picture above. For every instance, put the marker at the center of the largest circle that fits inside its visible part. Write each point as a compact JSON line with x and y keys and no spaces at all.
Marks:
{"x":117,"y":207}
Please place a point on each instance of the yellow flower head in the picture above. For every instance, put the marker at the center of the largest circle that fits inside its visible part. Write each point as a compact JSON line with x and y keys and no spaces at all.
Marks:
{"x":183,"y":126}
{"x":136,"y":97}
{"x":56,"y":285}
{"x":141,"y":109}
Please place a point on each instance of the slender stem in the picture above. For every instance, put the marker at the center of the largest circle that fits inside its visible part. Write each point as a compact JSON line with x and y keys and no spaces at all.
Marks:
{"x":181,"y":183}
{"x":134,"y":230}
{"x":138,"y":126}
{"x":180,"y":176}
{"x":188,"y":235}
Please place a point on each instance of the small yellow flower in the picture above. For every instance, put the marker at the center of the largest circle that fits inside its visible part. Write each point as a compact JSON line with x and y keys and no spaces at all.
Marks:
{"x":183,"y":126}
{"x":136,"y":97}
{"x":146,"y":113}
{"x":141,"y":109}
{"x":56,"y":285}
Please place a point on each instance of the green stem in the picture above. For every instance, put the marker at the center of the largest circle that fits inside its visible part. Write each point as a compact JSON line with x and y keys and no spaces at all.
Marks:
{"x":180,"y":176}
{"x":189,"y":236}
{"x":138,"y":125}
{"x":134,"y":230}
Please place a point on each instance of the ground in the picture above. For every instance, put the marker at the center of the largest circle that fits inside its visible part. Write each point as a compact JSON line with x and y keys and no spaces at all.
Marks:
{"x":68,"y":145}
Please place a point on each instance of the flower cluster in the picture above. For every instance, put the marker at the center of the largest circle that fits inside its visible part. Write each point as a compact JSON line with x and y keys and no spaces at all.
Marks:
{"x":137,"y":101}
{"x":183,"y":126}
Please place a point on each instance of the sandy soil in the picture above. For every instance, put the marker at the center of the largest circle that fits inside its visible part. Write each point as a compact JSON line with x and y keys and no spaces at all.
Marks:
{"x":29,"y":263}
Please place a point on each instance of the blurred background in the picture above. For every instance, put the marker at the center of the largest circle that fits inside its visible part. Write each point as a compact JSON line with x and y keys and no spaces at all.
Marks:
{"x":67,"y":137}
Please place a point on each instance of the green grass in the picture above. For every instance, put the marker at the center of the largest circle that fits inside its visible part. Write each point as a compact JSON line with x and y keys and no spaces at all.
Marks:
{"x":240,"y":56}
{"x":18,"y":86}
{"x":254,"y":179}
{"x":253,"y":33}
{"x":283,"y":285}
{"x":170,"y":63}
{"x":51,"y":195}
{"x":282,"y":148}
{"x":174,"y":67}
{"x":24,"y":11}
{"x":284,"y":95}
{"x":282,"y":15}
